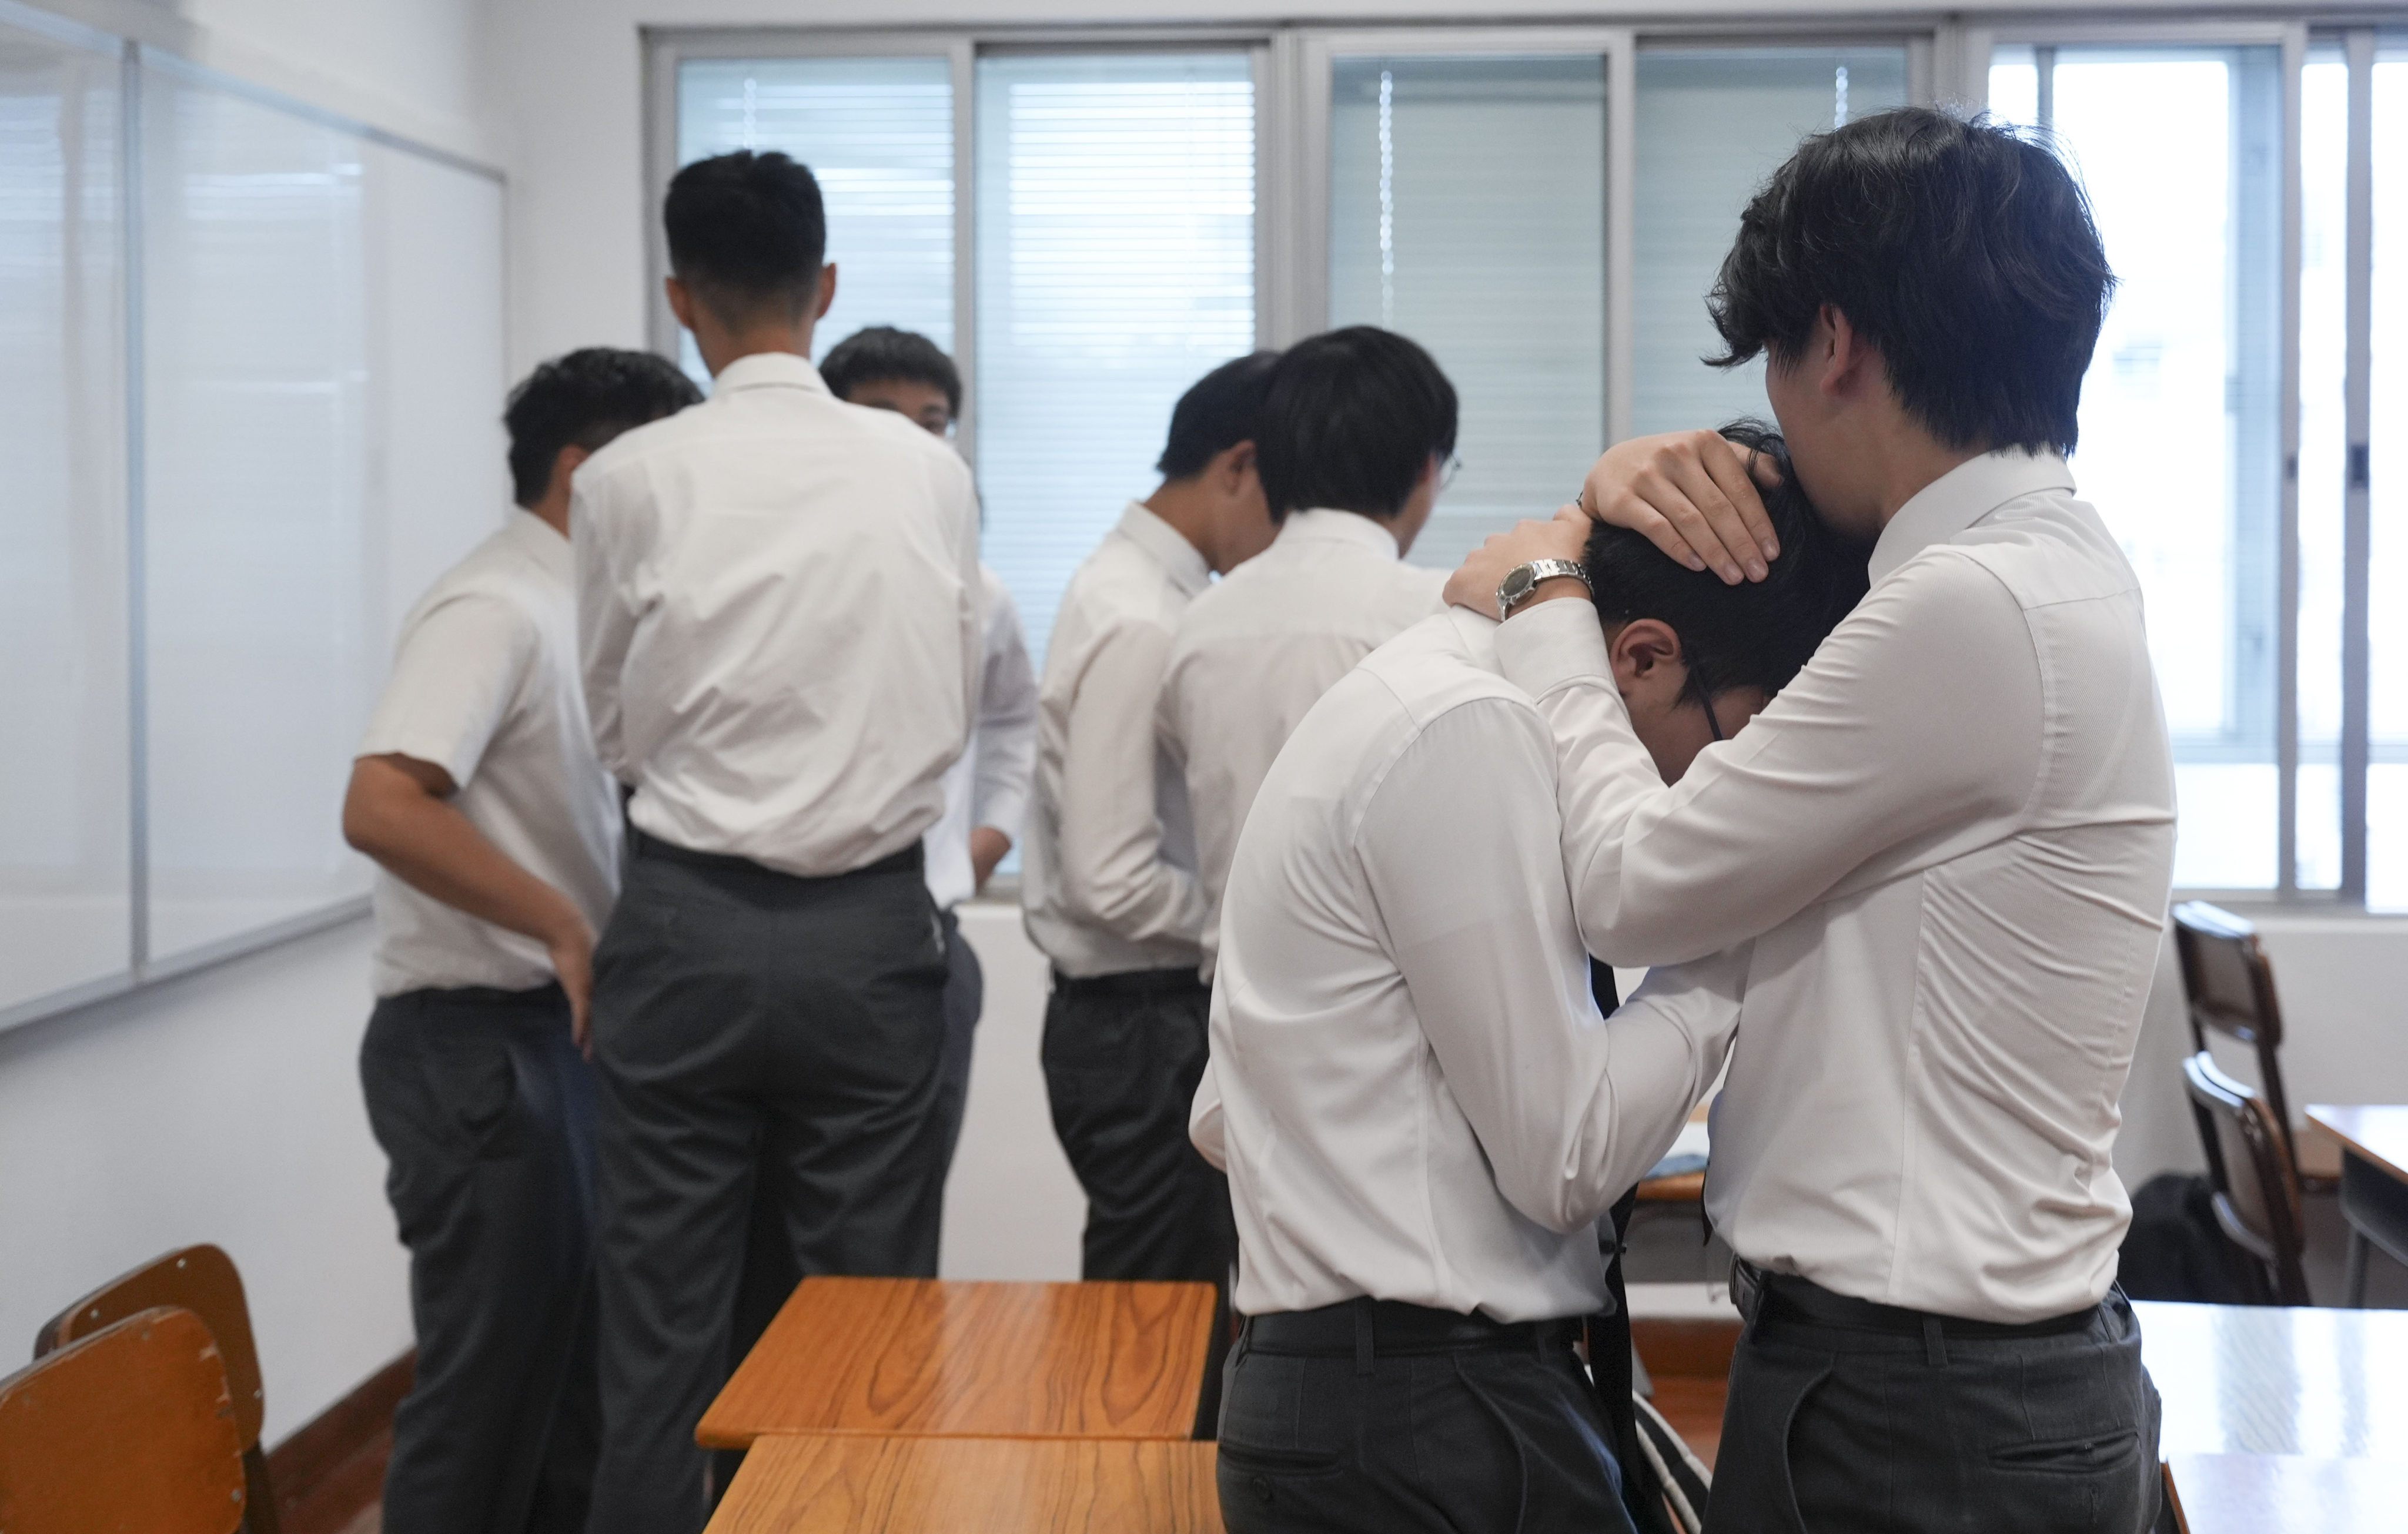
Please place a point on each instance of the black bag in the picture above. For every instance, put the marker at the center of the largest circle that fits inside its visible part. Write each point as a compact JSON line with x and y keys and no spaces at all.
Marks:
{"x":2175,"y":1250}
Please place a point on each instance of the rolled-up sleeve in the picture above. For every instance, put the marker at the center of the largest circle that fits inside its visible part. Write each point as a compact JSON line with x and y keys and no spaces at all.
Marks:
{"x":1112,"y":869}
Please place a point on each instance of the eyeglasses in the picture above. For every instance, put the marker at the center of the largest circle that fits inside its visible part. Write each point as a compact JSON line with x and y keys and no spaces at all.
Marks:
{"x":1695,"y":688}
{"x":1448,"y":470}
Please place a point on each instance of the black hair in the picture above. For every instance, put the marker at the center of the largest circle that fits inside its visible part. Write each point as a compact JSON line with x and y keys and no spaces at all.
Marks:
{"x":880,"y":353}
{"x":582,"y":400}
{"x":1352,"y":421}
{"x":1756,"y":631}
{"x":746,"y":231}
{"x":1963,"y":251}
{"x":1218,"y":412}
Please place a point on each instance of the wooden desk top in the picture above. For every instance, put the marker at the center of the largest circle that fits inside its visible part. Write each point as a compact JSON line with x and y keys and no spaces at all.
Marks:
{"x":2262,"y":1380}
{"x":2377,"y":1132}
{"x":944,"y":1485}
{"x":2287,"y":1494}
{"x":917,"y":1356}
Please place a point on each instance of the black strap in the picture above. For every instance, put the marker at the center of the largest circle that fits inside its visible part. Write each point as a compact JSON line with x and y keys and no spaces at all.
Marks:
{"x":1609,"y":1345}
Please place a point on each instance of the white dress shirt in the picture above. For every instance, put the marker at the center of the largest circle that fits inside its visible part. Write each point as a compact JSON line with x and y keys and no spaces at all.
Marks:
{"x":1259,"y":648}
{"x":1410,"y":1085}
{"x":778,"y":602}
{"x":1108,"y":874}
{"x":1950,"y":840}
{"x":484,"y":686}
{"x":989,"y":785}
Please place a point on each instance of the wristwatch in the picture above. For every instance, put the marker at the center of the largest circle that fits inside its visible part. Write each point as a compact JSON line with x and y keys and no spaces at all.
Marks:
{"x":1522,"y":579}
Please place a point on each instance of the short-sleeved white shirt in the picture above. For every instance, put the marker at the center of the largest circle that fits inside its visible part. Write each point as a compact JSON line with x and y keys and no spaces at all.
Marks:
{"x":485,"y":685}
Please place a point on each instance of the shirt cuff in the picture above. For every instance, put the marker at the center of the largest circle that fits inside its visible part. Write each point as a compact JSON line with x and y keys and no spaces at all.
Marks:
{"x":1004,"y":809}
{"x":1554,"y":645}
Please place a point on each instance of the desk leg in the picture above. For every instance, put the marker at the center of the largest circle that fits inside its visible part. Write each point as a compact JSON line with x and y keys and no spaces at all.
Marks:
{"x":2376,"y":1204}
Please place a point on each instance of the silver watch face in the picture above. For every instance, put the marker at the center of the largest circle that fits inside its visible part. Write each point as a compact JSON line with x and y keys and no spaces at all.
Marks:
{"x":1518,"y":581}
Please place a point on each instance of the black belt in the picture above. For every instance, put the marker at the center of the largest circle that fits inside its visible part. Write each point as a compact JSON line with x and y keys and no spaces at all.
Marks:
{"x":1786,"y":1296}
{"x":644,"y":844}
{"x":1130,"y":982}
{"x":1363,"y":1329}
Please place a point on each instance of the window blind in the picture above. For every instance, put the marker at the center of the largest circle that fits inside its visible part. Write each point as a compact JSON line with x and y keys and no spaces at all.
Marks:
{"x":1466,"y":210}
{"x":1115,"y":266}
{"x":1713,"y":123}
{"x":878,"y":133}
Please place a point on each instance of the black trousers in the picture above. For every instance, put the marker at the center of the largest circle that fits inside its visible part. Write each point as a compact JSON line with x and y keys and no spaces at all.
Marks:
{"x":1389,"y":1418}
{"x":965,"y":997}
{"x":486,"y":1115}
{"x":1122,"y":1055}
{"x":1846,"y":1415}
{"x":749,"y":1026}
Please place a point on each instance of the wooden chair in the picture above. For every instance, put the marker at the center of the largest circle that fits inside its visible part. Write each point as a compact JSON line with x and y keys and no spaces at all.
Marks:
{"x":2229,"y":988}
{"x":130,"y":1428}
{"x":2256,"y":1194}
{"x":202,"y":1280}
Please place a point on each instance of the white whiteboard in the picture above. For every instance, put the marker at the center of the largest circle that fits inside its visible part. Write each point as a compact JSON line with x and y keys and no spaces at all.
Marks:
{"x":255,"y":439}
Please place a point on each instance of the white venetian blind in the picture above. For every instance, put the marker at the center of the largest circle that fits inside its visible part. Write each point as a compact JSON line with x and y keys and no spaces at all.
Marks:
{"x":1115,"y":266}
{"x":1466,"y":210}
{"x":878,"y":133}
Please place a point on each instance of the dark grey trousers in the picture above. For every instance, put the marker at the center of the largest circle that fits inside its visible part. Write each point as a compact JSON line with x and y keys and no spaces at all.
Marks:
{"x":1122,"y":1055}
{"x":1832,"y":1428}
{"x":747,"y":1024}
{"x":486,"y":1116}
{"x":1484,"y":1440}
{"x":965,"y":996}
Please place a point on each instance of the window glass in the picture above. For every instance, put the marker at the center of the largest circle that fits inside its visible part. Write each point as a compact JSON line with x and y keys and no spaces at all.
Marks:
{"x":2181,"y":152}
{"x":1115,"y":267}
{"x":2386,"y":795}
{"x":1466,"y":210}
{"x":2324,"y":250}
{"x":1713,"y":123}
{"x":878,"y":133}
{"x":65,"y":865}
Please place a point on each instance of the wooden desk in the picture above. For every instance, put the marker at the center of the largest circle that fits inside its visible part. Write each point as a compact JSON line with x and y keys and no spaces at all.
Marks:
{"x":2262,"y":1380}
{"x":918,"y":1356}
{"x":2373,"y":1181}
{"x":2287,"y":1494}
{"x":859,"y":1484}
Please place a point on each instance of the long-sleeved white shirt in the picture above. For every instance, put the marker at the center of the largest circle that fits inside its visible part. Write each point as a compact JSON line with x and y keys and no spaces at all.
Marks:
{"x":1258,"y":650}
{"x":1949,"y":842}
{"x":989,"y":785}
{"x":1410,"y":1085}
{"x":777,"y":610}
{"x":1108,"y":873}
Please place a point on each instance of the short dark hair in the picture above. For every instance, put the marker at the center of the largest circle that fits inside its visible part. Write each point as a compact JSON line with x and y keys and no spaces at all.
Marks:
{"x":1756,"y":631}
{"x":1353,"y":418}
{"x":746,"y":231}
{"x":879,"y":353}
{"x":1218,"y":412}
{"x":582,"y":400}
{"x":1963,"y":251}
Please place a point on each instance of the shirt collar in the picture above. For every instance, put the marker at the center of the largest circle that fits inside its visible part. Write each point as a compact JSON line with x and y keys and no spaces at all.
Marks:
{"x":1322,"y":524}
{"x":541,"y":540}
{"x":768,"y":370}
{"x":1169,"y":546}
{"x":1963,"y":497}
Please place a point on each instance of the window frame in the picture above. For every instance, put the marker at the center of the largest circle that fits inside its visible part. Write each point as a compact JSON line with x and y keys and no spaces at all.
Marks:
{"x":1948,"y":61}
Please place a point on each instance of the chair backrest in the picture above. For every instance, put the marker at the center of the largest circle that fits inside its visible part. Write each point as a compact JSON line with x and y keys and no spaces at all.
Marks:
{"x":2228,"y":988}
{"x":131,"y":1428}
{"x":202,"y":1280}
{"x":2256,"y":1193}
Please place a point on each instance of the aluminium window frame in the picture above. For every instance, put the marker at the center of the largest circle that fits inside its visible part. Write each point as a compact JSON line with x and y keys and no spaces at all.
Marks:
{"x":1949,"y":55}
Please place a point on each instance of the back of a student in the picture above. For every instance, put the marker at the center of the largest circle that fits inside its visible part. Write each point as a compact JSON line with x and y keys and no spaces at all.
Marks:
{"x":1356,"y":435}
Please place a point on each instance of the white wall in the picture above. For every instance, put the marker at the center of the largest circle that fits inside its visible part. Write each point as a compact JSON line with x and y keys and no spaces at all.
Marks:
{"x":223,"y":1107}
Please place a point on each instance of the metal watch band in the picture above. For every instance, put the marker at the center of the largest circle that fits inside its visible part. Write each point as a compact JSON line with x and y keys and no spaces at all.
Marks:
{"x":1523,"y":580}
